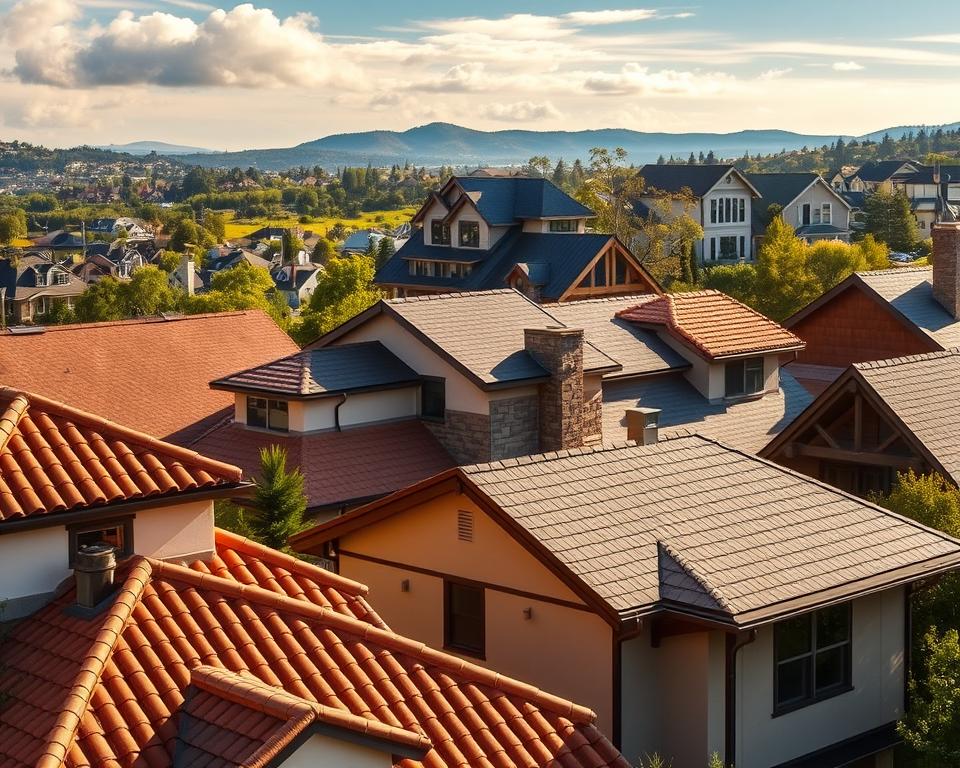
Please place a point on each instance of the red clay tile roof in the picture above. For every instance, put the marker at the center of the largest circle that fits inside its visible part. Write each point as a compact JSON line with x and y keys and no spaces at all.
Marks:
{"x":54,"y":458}
{"x":357,"y":464}
{"x":150,"y":374}
{"x":110,"y":691}
{"x":713,"y":323}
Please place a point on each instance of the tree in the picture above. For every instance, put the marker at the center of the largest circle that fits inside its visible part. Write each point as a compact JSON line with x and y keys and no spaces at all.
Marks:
{"x":931,"y":726}
{"x":385,"y":250}
{"x":215,"y":224}
{"x":241,"y":287}
{"x":101,"y":302}
{"x":695,"y":273}
{"x":890,"y":220}
{"x":148,"y":293}
{"x":736,"y":280}
{"x":13,"y":225}
{"x":290,"y":245}
{"x":322,"y":251}
{"x":278,"y":502}
{"x":539,"y":165}
{"x":784,"y":283}
{"x":344,"y":289}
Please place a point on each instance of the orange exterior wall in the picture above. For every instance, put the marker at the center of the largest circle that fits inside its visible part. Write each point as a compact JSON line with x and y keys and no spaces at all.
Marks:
{"x":565,"y":650}
{"x":853,"y":328}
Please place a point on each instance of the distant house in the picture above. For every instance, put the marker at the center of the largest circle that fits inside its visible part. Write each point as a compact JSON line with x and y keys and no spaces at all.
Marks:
{"x":723,"y":203}
{"x":806,"y":202}
{"x":274,"y":233}
{"x":33,"y":284}
{"x":296,"y":283}
{"x":124,"y":225}
{"x":480,"y":233}
{"x":359,"y":242}
{"x":934,"y":194}
{"x":60,"y":240}
{"x":879,"y":174}
{"x":714,"y":601}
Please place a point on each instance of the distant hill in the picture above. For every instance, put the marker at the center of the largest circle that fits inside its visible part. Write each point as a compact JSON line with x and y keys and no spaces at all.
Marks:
{"x":902,"y":130}
{"x":160,"y":147}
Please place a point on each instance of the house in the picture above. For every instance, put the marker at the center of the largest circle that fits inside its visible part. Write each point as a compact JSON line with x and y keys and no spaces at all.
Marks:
{"x":32,"y":284}
{"x":486,"y":233}
{"x":721,"y":199}
{"x":60,"y":240}
{"x":151,"y":373}
{"x":148,"y":637}
{"x":714,"y":601}
{"x":124,"y":226}
{"x":273,"y":233}
{"x":226,"y":258}
{"x":877,"y":419}
{"x":931,"y":191}
{"x":879,"y":174}
{"x":359,"y":241}
{"x":296,"y":283}
{"x":881,"y":314}
{"x":806,"y":202}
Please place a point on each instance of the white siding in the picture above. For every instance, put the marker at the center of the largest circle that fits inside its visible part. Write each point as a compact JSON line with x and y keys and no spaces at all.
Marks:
{"x":321,"y":751}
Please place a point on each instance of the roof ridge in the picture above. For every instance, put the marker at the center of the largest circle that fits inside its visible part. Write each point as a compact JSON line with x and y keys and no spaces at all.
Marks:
{"x":168,"y":449}
{"x":10,"y":418}
{"x":367,"y":631}
{"x":890,"y":362}
{"x":449,"y":295}
{"x":148,"y":320}
{"x":62,"y":734}
{"x":894,"y":271}
{"x":695,"y":574}
{"x":602,"y":300}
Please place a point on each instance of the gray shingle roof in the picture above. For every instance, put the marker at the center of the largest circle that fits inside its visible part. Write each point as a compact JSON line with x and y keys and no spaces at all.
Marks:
{"x":483,"y":331}
{"x":507,"y":200}
{"x":638,"y":350}
{"x":744,"y":538}
{"x":780,"y":188}
{"x":910,"y":292}
{"x":924,"y":392}
{"x":748,"y":425}
{"x":325,"y":371}
{"x":699,"y":179}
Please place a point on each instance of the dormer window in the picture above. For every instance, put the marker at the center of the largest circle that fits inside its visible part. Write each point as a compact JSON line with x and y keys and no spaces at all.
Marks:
{"x":268,"y":414}
{"x":563,"y":225}
{"x":439,"y":233}
{"x":469,"y":235}
{"x":60,"y":278}
{"x":744,"y":377}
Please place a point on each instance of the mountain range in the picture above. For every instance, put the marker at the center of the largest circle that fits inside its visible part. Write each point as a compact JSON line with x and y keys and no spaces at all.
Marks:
{"x":160,"y":147}
{"x":447,"y":144}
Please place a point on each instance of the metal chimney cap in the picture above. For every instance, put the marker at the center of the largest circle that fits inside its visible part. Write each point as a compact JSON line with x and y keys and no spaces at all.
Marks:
{"x":92,"y":558}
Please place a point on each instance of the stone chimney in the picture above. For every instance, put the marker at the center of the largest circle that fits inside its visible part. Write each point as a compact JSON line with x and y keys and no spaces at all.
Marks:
{"x":946,"y":266}
{"x":187,"y":274}
{"x":94,"y":569}
{"x":643,"y":425}
{"x":560,"y":351}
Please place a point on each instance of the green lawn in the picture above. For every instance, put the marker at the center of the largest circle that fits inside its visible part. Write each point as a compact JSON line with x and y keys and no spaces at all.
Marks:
{"x":237,"y":228}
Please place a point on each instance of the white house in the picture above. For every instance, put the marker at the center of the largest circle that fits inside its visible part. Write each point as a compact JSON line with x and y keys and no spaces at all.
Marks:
{"x":806,"y":202}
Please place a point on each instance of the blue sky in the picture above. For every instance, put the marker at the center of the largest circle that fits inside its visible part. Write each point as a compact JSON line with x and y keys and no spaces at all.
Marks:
{"x":278,"y":72}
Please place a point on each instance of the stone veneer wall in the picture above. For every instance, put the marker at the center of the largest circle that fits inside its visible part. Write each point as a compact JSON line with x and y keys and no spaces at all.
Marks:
{"x":560,"y":351}
{"x":514,"y":427}
{"x":946,"y":270}
{"x":466,"y":436}
{"x":593,"y":419}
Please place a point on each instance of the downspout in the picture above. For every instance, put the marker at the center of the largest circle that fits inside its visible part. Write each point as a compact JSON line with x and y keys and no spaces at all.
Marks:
{"x":336,"y":411}
{"x":734,"y":643}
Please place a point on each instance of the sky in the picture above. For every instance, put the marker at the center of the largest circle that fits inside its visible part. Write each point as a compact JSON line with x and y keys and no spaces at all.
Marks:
{"x":279,"y":72}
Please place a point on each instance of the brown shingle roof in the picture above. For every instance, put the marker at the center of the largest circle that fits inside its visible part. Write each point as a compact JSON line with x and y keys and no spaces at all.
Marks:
{"x":354,"y":465}
{"x":150,"y":374}
{"x":713,"y":323}
{"x":54,"y":458}
{"x":111,"y":690}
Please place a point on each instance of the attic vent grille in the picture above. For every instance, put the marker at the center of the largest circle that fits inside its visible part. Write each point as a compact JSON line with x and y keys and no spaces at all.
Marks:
{"x":465,"y":525}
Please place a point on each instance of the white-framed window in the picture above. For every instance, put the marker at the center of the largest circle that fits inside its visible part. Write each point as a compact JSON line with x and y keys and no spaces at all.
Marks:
{"x":268,"y":414}
{"x":563,"y":225}
{"x":60,"y":278}
{"x":826,"y":213}
{"x":728,"y":210}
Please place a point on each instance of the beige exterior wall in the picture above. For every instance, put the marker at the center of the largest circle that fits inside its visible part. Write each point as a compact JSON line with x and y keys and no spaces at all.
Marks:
{"x":560,"y":648}
{"x":876,"y":698}
{"x":816,"y":196}
{"x":177,"y":531}
{"x":321,"y":751}
{"x":435,"y":211}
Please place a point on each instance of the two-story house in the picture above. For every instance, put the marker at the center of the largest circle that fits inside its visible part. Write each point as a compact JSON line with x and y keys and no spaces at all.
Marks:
{"x":719,"y":197}
{"x":931,"y":190}
{"x":32,"y":284}
{"x":480,"y":232}
{"x":145,"y":636}
{"x":879,"y":174}
{"x":715,"y":602}
{"x":804,"y":201}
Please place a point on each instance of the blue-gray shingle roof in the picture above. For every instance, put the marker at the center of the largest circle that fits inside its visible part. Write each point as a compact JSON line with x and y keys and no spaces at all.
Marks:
{"x":699,"y":179}
{"x":505,"y":201}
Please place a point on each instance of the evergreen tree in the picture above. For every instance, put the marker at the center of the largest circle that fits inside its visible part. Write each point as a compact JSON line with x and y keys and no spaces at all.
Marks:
{"x":702,"y":159}
{"x":890,"y":220}
{"x":686,"y":274}
{"x":711,"y":158}
{"x":692,"y":160}
{"x":385,"y":250}
{"x":278,"y":501}
{"x":560,"y":173}
{"x":661,"y":160}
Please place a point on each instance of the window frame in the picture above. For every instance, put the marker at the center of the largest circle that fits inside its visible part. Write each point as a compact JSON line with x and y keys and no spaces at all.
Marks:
{"x":563,"y":225}
{"x":813,"y":697}
{"x":75,"y":530}
{"x":444,"y":232}
{"x":745,"y":392}
{"x":443,"y":398}
{"x":269,"y":405}
{"x":477,"y":652}
{"x":460,"y":233}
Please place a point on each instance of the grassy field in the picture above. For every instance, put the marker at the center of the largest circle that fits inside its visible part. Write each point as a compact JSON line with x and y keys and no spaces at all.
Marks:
{"x":237,"y":228}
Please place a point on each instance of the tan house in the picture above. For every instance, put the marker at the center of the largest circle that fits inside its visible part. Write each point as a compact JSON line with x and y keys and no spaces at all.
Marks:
{"x":698,"y":598}
{"x":33,"y":285}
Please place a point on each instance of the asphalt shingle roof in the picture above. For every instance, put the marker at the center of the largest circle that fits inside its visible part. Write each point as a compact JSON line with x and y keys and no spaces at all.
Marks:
{"x":780,"y":188}
{"x":751,"y":534}
{"x":507,"y":200}
{"x":699,"y":179}
{"x":910,"y":292}
{"x":325,"y":371}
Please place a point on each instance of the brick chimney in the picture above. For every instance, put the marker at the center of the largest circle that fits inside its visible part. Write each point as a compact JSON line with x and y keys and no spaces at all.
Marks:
{"x":560,"y":351}
{"x":946,"y":266}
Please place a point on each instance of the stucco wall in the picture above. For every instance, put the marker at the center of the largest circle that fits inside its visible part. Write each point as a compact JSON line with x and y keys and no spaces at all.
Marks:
{"x":320,"y":751}
{"x":175,"y":531}
{"x":876,"y":698}
{"x":563,"y":649}
{"x":815,"y":196}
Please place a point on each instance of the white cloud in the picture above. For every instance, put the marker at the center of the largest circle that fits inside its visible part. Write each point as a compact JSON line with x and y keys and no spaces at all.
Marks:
{"x":847,"y":66}
{"x":640,"y":80}
{"x":775,"y":74}
{"x":949,"y":38}
{"x":520,"y":111}
{"x":592,"y":18}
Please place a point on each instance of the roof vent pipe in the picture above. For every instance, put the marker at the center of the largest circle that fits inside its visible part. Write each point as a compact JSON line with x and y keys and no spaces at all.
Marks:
{"x":94,"y":570}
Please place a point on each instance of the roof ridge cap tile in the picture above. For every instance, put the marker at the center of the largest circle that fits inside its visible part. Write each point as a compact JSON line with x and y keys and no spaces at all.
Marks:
{"x":891,"y":362}
{"x":893,"y":271}
{"x":147,"y":320}
{"x":695,"y":574}
{"x":62,"y":734}
{"x":10,"y":418}
{"x":449,"y":295}
{"x":385,"y":637}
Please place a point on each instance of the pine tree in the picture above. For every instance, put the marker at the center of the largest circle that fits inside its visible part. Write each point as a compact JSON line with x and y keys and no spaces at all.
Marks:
{"x":711,"y":158}
{"x":692,"y":160}
{"x":278,"y":501}
{"x":385,"y":250}
{"x":661,"y":160}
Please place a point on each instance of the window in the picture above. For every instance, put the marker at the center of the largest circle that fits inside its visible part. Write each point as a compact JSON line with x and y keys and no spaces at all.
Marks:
{"x":727,"y":210}
{"x":728,"y":247}
{"x":60,"y":278}
{"x":826,"y":213}
{"x":713,"y":211}
{"x":470,"y":234}
{"x":463,"y":618}
{"x":439,"y":233}
{"x":117,"y":533}
{"x":744,"y":377}
{"x":713,"y":249}
{"x":563,"y":225}
{"x":433,"y":399}
{"x":600,"y":273}
{"x":812,"y":658}
{"x":268,"y":414}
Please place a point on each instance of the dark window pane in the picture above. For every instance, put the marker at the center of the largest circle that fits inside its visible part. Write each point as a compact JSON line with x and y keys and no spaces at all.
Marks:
{"x":793,"y":681}
{"x":753,"y":375}
{"x":433,"y":399}
{"x":470,"y":234}
{"x":439,"y":233}
{"x":733,"y":375}
{"x":256,"y":412}
{"x":279,"y":419}
{"x":831,"y":669}
{"x":621,"y":276}
{"x":464,"y":617}
{"x":833,"y":625}
{"x":793,"y":637}
{"x":600,"y":272}
{"x":713,"y":211}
